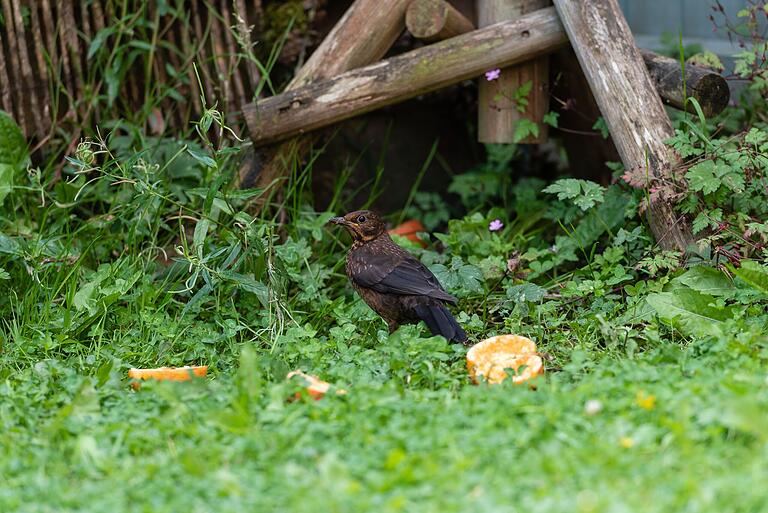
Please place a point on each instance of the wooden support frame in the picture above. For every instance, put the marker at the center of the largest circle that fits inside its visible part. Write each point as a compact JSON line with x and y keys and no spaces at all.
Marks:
{"x":708,"y":87}
{"x":322,"y":103}
{"x":362,"y":36}
{"x":499,"y":111}
{"x":628,"y":101}
{"x":404,"y":76}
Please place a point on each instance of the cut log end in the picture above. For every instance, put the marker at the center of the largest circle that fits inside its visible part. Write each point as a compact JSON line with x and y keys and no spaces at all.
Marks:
{"x":435,"y":20}
{"x":707,"y":87}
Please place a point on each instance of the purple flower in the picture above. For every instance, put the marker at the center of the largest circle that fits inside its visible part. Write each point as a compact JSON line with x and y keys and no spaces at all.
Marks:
{"x":495,"y":225}
{"x":492,"y":75}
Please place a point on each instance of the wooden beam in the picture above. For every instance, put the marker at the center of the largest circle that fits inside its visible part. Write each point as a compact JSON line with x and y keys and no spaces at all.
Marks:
{"x":709,"y":88}
{"x":628,"y":101}
{"x":402,"y":77}
{"x":362,"y":36}
{"x":499,"y":113}
{"x":435,"y":20}
{"x":427,"y":22}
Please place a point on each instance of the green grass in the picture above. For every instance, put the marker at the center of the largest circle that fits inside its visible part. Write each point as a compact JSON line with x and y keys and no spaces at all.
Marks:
{"x":144,"y":255}
{"x":680,"y":425}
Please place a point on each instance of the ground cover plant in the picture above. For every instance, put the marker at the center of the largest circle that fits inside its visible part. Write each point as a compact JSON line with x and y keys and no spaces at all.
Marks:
{"x":142,"y":254}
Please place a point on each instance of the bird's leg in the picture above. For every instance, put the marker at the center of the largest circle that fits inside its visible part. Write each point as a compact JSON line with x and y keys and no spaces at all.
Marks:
{"x":393,"y":325}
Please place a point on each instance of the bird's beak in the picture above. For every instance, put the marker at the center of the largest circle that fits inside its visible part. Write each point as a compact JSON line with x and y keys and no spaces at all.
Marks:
{"x":338,"y":220}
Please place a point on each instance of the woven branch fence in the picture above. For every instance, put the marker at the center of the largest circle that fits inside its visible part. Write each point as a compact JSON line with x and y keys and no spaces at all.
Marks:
{"x":72,"y":63}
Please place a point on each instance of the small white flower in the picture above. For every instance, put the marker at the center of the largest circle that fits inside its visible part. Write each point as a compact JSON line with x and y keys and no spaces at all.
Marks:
{"x":593,"y":407}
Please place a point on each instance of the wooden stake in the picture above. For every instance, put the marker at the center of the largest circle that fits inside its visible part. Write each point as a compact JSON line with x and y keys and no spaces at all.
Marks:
{"x":628,"y":101}
{"x":404,"y":76}
{"x":362,"y":36}
{"x":499,"y":108}
{"x":435,"y":20}
{"x":710,"y":89}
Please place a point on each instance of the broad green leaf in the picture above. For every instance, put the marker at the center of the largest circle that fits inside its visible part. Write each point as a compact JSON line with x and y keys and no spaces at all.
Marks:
{"x":707,"y":280}
{"x":691,"y":311}
{"x":754,"y":275}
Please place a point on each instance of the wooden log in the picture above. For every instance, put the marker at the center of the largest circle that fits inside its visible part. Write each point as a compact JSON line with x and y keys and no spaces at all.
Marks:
{"x":362,"y":36}
{"x":402,"y":77}
{"x":435,"y":20}
{"x":709,"y":88}
{"x":499,"y":112}
{"x":628,"y":101}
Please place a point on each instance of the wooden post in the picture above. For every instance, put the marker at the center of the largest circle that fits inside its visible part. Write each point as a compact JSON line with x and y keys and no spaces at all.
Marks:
{"x":362,"y":36}
{"x":628,"y":101}
{"x":710,"y":89}
{"x":499,"y":114}
{"x":402,"y":77}
{"x":435,"y":20}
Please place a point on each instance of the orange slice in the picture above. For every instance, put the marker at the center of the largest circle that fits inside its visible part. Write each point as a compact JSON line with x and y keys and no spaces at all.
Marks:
{"x":316,"y":387}
{"x":490,"y":359}
{"x":410,"y":229}
{"x":167,"y":374}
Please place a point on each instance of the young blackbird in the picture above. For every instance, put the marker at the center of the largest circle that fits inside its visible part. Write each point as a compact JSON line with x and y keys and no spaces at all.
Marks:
{"x":392,"y":282}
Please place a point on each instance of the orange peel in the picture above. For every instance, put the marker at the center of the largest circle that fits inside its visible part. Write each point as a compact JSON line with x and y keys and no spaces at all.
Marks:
{"x":316,"y":387}
{"x":489,"y":360}
{"x":167,"y":374}
{"x":410,"y":230}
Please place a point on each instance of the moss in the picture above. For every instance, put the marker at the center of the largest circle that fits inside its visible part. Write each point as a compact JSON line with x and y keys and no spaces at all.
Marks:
{"x":278,"y":16}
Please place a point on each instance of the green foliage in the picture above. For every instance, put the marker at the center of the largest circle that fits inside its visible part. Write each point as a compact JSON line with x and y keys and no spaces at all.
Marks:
{"x":585,"y":194}
{"x":144,"y":255}
{"x":13,"y":153}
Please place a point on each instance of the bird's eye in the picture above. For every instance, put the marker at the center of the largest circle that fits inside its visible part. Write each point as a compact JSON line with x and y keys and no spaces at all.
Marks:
{"x":360,"y":219}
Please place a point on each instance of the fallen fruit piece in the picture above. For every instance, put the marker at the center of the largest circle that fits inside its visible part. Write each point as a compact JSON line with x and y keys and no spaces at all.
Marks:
{"x":487,"y":360}
{"x":316,"y":387}
{"x":410,"y":229}
{"x":167,"y":374}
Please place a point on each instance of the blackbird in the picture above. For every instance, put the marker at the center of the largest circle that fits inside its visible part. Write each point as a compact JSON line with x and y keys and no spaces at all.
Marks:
{"x":392,"y":282}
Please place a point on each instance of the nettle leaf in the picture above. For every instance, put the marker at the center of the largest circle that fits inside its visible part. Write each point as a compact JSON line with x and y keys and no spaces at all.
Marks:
{"x":585,"y":194}
{"x":551,"y":118}
{"x":707,"y":219}
{"x":459,"y":278}
{"x":526,"y":292}
{"x":525,"y":127}
{"x":702,"y":177}
{"x":755,"y":136}
{"x":602,"y":127}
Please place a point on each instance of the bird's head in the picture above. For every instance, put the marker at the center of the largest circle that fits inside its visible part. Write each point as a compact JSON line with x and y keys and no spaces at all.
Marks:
{"x":364,"y":225}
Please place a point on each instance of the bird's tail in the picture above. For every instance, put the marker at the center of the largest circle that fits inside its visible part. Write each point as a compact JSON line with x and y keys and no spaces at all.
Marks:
{"x":440,"y":322}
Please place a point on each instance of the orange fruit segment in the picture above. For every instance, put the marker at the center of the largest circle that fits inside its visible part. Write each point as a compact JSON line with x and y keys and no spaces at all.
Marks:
{"x":167,"y":374}
{"x":315,"y":386}
{"x":496,"y":358}
{"x":410,"y":229}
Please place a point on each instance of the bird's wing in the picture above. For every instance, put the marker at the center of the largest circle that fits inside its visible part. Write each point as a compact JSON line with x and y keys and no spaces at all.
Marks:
{"x":407,"y":276}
